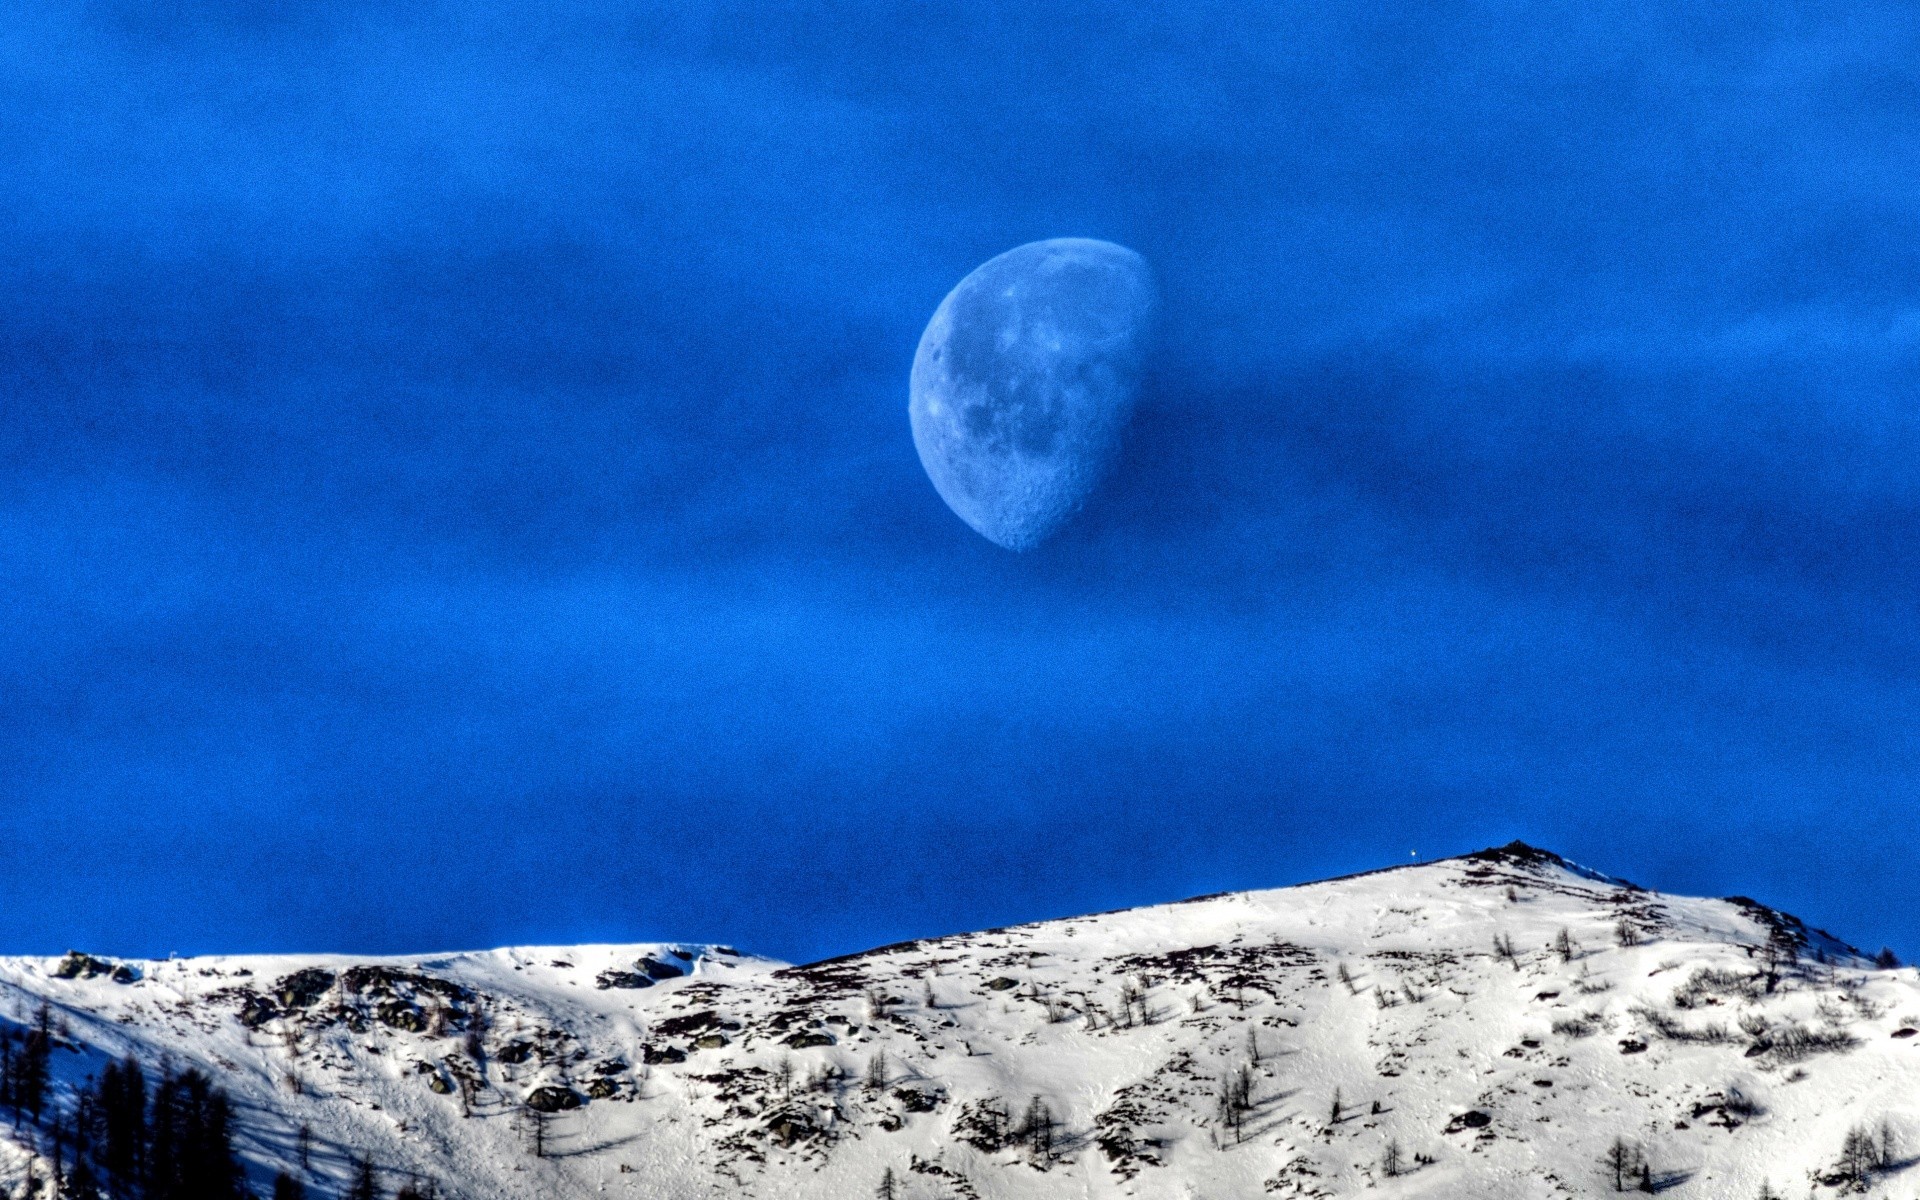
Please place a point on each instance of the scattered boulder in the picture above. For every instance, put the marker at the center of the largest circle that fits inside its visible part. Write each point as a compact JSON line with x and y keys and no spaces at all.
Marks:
{"x":124,"y":974}
{"x":1473,"y":1118}
{"x":711,"y":1041}
{"x":440,"y":1085}
{"x":1002,"y":984}
{"x":552,"y":1098}
{"x":515,"y":1052}
{"x":662,"y":1054}
{"x":1905,"y":1031}
{"x":603,"y":1088}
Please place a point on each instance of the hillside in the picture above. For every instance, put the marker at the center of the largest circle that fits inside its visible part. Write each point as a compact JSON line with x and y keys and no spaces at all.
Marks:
{"x":1490,"y":1025}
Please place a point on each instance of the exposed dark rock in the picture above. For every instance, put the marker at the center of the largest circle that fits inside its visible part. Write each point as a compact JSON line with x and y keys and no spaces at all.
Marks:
{"x":711,"y":1041}
{"x":515,"y":1052}
{"x":388,"y":981}
{"x":789,"y":1126}
{"x":256,"y":1010}
{"x":1473,"y":1118}
{"x":1002,"y":984}
{"x":621,"y":979}
{"x":656,"y":969}
{"x":809,"y":1037}
{"x":551,"y":1099}
{"x":124,"y":974}
{"x":303,"y":989}
{"x":81,"y":966}
{"x":915,"y":1100}
{"x":689,"y":1024}
{"x":401,"y":1014}
{"x":603,"y":1089}
{"x":662,"y":1054}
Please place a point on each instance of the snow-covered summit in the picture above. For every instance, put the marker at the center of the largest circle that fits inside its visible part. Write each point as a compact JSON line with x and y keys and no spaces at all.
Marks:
{"x":1501,"y":1024}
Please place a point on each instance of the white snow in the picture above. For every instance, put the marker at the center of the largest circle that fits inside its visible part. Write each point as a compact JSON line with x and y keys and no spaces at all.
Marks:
{"x":1429,"y":1026}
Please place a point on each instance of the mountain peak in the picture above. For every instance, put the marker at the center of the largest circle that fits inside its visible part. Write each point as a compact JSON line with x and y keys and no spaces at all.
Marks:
{"x":1479,"y":1024}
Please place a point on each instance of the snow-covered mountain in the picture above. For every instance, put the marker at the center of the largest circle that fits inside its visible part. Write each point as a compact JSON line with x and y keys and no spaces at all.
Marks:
{"x":1496,"y":1025}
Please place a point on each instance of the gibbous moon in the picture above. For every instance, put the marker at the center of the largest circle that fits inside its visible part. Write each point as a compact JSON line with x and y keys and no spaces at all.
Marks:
{"x":1024,"y":382}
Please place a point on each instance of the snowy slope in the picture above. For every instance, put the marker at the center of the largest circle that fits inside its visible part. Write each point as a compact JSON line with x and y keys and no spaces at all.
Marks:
{"x":1494,"y":1075}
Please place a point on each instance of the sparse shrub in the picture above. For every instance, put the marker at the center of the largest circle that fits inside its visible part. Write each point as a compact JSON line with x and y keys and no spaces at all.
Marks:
{"x":1707,"y":983}
{"x":1712,"y":1033}
{"x":984,"y":1125}
{"x":1792,"y":1041}
{"x":1740,"y":1104}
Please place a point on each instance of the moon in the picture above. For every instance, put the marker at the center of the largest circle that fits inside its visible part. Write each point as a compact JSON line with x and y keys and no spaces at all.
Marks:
{"x":1024,"y":382}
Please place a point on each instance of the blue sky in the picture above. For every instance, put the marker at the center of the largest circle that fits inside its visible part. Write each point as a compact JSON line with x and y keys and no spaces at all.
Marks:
{"x":455,"y":485}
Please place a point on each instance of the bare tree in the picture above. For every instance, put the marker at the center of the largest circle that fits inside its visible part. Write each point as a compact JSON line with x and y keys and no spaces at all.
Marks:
{"x":1236,"y":1102}
{"x":877,"y":1076}
{"x":1037,"y":1128}
{"x":1623,"y":1163}
{"x":1390,"y":1159}
{"x":1859,"y":1158}
{"x":533,"y":1127}
{"x":1564,"y":945}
